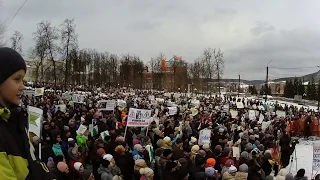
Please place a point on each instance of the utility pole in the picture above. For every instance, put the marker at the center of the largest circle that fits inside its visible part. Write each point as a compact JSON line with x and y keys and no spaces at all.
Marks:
{"x":267,"y":84}
{"x":239,"y":82}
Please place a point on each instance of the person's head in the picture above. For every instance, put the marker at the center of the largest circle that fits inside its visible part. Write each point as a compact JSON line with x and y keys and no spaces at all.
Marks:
{"x":105,"y":163}
{"x":179,"y":143}
{"x":63,"y":167}
{"x":58,"y":139}
{"x":12,"y":71}
{"x":167,"y":153}
{"x":301,"y":173}
{"x":79,"y":167}
{"x":138,"y":147}
{"x":109,"y":157}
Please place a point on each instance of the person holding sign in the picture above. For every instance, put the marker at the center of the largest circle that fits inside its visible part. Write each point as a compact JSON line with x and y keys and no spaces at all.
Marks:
{"x":17,"y":159}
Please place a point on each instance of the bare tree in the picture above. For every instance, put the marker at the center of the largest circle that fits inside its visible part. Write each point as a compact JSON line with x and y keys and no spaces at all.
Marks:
{"x":69,"y":41}
{"x":2,"y":30}
{"x":51,"y":36}
{"x":16,"y":41}
{"x":209,"y":65}
{"x":155,"y":65}
{"x":219,"y":66}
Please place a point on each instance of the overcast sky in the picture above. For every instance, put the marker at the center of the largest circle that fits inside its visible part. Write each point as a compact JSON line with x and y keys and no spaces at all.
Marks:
{"x":250,"y":32}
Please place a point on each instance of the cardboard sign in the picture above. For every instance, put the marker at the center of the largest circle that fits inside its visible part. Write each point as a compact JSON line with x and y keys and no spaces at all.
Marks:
{"x":38,"y":91}
{"x":204,"y":136}
{"x":234,"y":113}
{"x":138,"y":117}
{"x":35,"y":118}
{"x":316,"y":157}
{"x":172,"y":110}
{"x":240,"y":105}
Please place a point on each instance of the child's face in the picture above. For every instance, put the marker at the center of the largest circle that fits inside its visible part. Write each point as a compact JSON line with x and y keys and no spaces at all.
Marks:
{"x":12,"y":89}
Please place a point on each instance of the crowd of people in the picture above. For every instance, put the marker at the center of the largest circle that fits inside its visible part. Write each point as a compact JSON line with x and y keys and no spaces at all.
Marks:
{"x":169,"y":148}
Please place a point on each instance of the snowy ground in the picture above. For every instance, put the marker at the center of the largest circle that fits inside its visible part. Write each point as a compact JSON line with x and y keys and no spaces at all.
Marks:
{"x":304,"y":157}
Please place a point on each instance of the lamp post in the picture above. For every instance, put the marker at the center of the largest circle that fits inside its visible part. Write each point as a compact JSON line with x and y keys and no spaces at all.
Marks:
{"x":239,"y":83}
{"x":267,"y":84}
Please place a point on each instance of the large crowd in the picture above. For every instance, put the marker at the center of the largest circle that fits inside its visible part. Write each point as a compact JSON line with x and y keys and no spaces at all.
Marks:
{"x":169,"y":147}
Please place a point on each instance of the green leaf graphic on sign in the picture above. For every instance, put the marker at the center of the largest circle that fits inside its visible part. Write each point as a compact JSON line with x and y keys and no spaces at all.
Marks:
{"x":33,"y":117}
{"x":94,"y":132}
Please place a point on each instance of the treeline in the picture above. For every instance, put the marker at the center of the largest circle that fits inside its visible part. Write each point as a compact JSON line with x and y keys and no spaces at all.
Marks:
{"x":297,"y":86}
{"x":56,"y":61}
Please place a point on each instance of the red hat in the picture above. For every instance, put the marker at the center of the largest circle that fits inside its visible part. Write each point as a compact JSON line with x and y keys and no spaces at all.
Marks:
{"x":210,"y":162}
{"x":101,"y":152}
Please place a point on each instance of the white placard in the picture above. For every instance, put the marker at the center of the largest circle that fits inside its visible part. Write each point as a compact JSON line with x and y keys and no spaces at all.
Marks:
{"x":172,"y":110}
{"x":204,"y":136}
{"x":234,"y":113}
{"x":236,"y":151}
{"x":265,"y":125}
{"x":107,"y":105}
{"x":226,"y":108}
{"x":281,"y":113}
{"x":35,"y":118}
{"x":138,"y":117}
{"x":62,"y":107}
{"x":240,"y":105}
{"x":151,"y":97}
{"x":316,"y":157}
{"x":261,"y":118}
{"x":82,"y":129}
{"x":252,"y":115}
{"x":38,"y":91}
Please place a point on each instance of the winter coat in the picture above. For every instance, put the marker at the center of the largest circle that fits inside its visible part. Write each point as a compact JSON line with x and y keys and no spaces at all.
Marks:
{"x":56,"y":148}
{"x":105,"y":173}
{"x":125,"y":163}
{"x":228,"y":176}
{"x":301,"y":178}
{"x":17,"y":159}
{"x":241,"y":176}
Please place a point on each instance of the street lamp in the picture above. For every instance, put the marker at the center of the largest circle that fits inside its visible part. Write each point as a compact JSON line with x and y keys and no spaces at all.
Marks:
{"x":267,"y":84}
{"x":239,"y":83}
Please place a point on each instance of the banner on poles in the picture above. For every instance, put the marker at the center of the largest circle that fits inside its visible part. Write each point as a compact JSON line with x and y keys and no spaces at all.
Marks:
{"x":138,"y":117}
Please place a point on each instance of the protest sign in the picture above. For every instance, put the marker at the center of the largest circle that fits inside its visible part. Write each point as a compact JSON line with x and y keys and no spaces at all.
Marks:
{"x":316,"y":157}
{"x":172,"y":110}
{"x":62,"y":107}
{"x":236,"y":151}
{"x":204,"y":136}
{"x":239,"y":105}
{"x":35,"y":118}
{"x":138,"y":117}
{"x":234,"y":113}
{"x":281,"y":113}
{"x":252,"y":115}
{"x":38,"y":91}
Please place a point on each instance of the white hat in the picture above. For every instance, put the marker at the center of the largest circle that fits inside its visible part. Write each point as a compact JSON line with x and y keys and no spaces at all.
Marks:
{"x":70,"y":139}
{"x":108,"y":157}
{"x":77,"y":165}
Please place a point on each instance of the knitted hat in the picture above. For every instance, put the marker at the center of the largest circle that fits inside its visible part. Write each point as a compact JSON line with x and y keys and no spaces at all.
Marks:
{"x":243,"y":168}
{"x":108,"y":157}
{"x":146,"y":172}
{"x":206,"y":146}
{"x":50,"y":163}
{"x":211,"y":162}
{"x":229,"y":163}
{"x":166,"y":152}
{"x":167,"y":139}
{"x":77,"y":165}
{"x":210,"y":171}
{"x":101,"y":152}
{"x":289,"y":176}
{"x":138,"y":147}
{"x":202,"y":153}
{"x":62,"y":166}
{"x":232,"y":169}
{"x":140,"y":162}
{"x":195,"y":148}
{"x":11,"y":62}
{"x":244,"y":155}
{"x":135,"y":141}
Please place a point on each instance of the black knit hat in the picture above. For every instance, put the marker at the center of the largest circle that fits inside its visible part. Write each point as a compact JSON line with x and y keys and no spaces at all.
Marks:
{"x":10,"y":62}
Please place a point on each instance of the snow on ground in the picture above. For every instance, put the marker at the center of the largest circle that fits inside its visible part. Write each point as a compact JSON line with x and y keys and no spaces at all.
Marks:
{"x":304,"y":157}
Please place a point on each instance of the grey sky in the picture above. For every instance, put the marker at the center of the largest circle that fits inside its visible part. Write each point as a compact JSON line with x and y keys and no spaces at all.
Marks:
{"x":250,"y":32}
